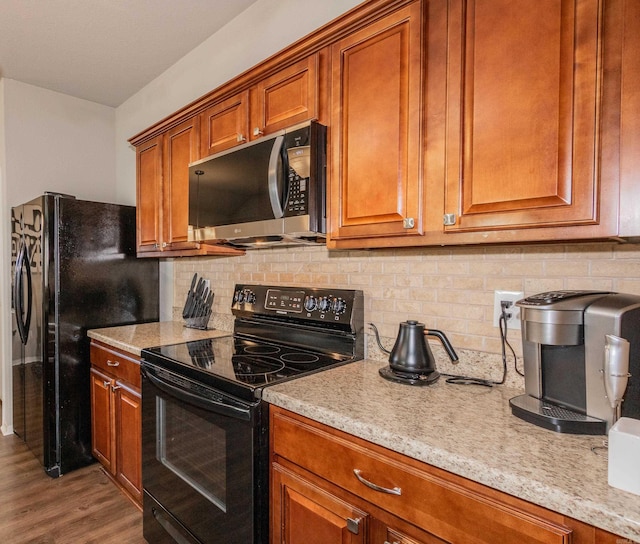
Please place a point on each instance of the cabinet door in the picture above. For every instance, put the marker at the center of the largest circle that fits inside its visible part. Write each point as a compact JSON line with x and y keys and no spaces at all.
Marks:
{"x":149,"y":195}
{"x":181,"y":146}
{"x":303,"y":513}
{"x":522,"y":137}
{"x":630,"y":120}
{"x":375,"y":181}
{"x":128,"y":414}
{"x":442,"y":506}
{"x":102,"y":421}
{"x":288,"y":97}
{"x":225,"y":124}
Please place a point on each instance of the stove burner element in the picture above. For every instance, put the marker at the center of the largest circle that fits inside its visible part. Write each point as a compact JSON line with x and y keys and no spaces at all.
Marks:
{"x":300,"y":358}
{"x":256,"y":366}
{"x":261,"y":350}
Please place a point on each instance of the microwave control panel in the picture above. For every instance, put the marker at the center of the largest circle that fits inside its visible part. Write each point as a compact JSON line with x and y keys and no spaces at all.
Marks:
{"x":297,"y":203}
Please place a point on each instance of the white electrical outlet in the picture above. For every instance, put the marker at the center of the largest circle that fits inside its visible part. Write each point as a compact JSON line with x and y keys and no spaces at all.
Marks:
{"x":514,"y":312}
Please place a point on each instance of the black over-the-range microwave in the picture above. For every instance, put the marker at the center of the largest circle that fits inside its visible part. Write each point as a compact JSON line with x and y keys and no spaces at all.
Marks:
{"x":271,"y":191}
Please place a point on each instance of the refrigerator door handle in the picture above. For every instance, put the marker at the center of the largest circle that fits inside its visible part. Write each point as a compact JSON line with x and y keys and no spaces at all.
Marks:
{"x":17,"y":293}
{"x":18,"y":296}
{"x":27,"y":321}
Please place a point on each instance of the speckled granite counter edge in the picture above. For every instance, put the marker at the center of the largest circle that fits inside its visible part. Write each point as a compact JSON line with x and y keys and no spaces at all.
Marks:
{"x":588,"y":510}
{"x":106,"y":339}
{"x":134,"y":338}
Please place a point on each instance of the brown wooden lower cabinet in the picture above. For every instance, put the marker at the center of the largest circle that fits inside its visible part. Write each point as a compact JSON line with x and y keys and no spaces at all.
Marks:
{"x":316,"y":497}
{"x":116,"y":417}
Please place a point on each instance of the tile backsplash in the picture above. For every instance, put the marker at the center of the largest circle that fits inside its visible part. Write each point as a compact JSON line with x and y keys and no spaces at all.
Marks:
{"x":450,"y":289}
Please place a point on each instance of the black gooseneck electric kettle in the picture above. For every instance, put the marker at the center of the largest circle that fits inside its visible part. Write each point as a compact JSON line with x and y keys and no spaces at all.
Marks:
{"x":411,"y":360}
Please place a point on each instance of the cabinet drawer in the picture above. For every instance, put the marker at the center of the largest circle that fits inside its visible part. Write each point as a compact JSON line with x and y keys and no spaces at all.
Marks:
{"x":123,"y":366}
{"x":448,"y":506}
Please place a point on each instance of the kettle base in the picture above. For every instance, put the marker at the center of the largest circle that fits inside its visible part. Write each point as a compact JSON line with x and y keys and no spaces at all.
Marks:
{"x":409,"y":378}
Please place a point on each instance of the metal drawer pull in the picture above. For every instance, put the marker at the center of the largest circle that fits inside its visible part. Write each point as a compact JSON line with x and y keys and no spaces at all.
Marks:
{"x":112,"y":363}
{"x":353,"y":525}
{"x":394,"y":491}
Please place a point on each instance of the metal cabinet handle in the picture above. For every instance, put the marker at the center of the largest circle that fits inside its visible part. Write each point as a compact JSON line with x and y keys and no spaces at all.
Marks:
{"x":106,"y":383}
{"x":257,"y":131}
{"x":240,"y":138}
{"x":408,"y":223}
{"x":394,"y":491}
{"x":112,"y":363}
{"x":353,"y":525}
{"x":449,"y":219}
{"x":115,"y":387}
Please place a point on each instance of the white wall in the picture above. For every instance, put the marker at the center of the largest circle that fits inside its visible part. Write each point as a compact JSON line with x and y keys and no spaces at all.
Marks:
{"x":5,"y":283}
{"x":54,"y":142}
{"x":48,"y":142}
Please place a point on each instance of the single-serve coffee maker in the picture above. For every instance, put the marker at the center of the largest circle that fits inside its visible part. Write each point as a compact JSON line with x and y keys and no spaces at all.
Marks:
{"x":580,"y":349}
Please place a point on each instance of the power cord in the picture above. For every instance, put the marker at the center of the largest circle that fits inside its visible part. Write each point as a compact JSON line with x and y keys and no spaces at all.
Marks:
{"x":469,"y":380}
{"x":502,"y":322}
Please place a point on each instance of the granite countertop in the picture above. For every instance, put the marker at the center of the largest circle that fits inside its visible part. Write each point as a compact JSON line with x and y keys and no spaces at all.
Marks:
{"x":133,"y":338}
{"x":469,"y":431}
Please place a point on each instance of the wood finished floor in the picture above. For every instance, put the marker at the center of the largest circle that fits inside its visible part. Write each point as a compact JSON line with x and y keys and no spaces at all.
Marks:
{"x":81,"y":507}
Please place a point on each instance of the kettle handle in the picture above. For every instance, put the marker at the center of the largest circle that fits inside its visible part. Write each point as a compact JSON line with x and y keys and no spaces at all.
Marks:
{"x":445,"y":342}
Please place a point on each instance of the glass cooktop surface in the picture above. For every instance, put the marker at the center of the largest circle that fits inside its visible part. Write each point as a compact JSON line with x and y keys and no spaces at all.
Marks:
{"x":243,"y":362}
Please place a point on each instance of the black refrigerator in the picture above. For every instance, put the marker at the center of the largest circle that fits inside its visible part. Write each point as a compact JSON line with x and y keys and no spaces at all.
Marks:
{"x":74,"y":268}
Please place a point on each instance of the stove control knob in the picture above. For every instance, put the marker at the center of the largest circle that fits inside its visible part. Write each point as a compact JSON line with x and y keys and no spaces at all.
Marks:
{"x":338,"y":306}
{"x":324,"y":304}
{"x":310,"y":303}
{"x":250,"y":297}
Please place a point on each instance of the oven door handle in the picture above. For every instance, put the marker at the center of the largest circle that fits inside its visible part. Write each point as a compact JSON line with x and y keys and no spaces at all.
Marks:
{"x":196,"y":400}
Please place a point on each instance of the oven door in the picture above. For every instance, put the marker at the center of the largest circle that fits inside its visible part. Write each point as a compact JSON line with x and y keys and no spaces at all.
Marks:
{"x":204,"y":463}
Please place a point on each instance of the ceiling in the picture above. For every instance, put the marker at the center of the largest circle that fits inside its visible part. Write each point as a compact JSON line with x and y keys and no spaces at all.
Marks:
{"x":103,"y":50}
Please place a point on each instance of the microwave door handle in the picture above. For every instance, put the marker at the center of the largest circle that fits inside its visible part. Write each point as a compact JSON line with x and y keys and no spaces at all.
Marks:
{"x":274,"y":197}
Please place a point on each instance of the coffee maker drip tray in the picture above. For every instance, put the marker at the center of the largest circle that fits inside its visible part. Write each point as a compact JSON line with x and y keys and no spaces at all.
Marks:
{"x":555,"y":418}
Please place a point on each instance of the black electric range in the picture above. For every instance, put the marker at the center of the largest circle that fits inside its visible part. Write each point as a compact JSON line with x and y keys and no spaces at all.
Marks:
{"x":279,"y":333}
{"x":205,"y":429}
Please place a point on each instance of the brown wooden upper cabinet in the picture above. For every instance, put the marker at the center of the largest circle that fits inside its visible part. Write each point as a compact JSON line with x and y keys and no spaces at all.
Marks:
{"x":149,"y":195}
{"x":163,"y":193}
{"x":450,"y":122}
{"x":375,"y":180}
{"x":163,"y":183}
{"x":523,"y":109}
{"x":285,"y":98}
{"x":180,"y":148}
{"x":513,"y":135}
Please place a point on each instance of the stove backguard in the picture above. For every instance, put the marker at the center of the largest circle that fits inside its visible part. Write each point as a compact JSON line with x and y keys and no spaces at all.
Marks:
{"x":325,"y":320}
